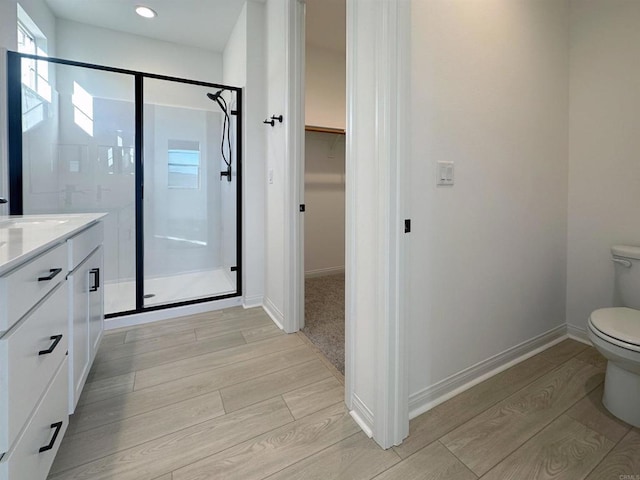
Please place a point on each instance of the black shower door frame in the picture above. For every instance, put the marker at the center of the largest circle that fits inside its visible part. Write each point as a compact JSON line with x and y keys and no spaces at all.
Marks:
{"x":16,"y":206}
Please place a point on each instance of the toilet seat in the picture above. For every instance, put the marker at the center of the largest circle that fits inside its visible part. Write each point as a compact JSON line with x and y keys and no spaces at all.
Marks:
{"x":620,"y":326}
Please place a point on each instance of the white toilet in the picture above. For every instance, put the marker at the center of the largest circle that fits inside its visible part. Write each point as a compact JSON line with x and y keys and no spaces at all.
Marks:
{"x":615,"y":333}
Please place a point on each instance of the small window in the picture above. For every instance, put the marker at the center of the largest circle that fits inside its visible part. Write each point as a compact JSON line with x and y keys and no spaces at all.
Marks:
{"x":184,"y":164}
{"x":35,"y":73}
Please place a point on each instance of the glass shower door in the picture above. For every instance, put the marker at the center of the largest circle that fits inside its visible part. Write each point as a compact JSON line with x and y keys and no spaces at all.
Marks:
{"x":78,"y":136}
{"x":190,"y":193}
{"x":159,"y":155}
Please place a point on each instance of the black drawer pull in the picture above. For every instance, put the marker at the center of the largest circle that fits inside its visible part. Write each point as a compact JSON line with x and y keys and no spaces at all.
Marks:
{"x":96,"y":279}
{"x":56,"y":340}
{"x":52,"y":273}
{"x":58,"y":427}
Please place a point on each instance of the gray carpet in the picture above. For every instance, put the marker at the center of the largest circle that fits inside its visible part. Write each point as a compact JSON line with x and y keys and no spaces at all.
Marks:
{"x":324,"y":316}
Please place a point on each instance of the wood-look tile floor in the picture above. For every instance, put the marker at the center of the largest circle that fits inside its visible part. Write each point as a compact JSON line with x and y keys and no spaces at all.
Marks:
{"x":227,"y":395}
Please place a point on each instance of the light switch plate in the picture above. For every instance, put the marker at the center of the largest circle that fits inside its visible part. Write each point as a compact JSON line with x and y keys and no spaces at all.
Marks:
{"x":445,"y":173}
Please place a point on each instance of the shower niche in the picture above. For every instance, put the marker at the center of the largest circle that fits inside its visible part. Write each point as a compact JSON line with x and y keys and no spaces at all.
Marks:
{"x":161,"y":155}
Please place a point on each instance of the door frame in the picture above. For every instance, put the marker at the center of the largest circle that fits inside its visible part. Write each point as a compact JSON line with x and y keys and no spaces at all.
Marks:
{"x":379,"y":402}
{"x":294,"y":171}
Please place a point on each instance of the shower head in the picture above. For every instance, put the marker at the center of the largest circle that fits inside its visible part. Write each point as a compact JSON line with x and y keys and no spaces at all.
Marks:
{"x":215,"y":96}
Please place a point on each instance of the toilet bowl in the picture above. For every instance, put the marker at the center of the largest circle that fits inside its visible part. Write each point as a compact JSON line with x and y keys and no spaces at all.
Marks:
{"x":615,"y":333}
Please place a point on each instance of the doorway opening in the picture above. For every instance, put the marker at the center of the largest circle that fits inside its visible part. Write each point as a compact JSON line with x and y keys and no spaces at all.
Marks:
{"x":324,"y":178}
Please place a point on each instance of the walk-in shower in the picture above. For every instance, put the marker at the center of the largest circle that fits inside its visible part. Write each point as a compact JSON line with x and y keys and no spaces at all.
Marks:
{"x":160,"y":154}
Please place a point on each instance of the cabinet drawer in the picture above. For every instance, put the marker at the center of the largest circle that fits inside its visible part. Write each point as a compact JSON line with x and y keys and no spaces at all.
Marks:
{"x":27,"y":366}
{"x":23,"y":287}
{"x":81,"y":245}
{"x":26,"y":460}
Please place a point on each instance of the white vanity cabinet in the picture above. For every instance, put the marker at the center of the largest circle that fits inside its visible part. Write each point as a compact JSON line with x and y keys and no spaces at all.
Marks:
{"x":33,"y":365}
{"x":41,"y":263}
{"x":86,"y":298}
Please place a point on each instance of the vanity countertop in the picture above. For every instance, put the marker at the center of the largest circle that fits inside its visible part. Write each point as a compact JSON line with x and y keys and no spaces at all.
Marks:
{"x":25,"y":236}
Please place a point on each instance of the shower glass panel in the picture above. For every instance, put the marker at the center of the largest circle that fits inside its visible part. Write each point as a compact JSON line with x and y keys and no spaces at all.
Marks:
{"x":190,"y":206}
{"x":159,"y":154}
{"x":78,"y":137}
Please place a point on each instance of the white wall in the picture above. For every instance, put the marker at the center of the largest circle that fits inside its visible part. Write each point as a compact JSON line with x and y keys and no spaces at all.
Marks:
{"x":276,"y":15}
{"x":234,"y":56}
{"x":324,"y":226}
{"x":86,"y":43}
{"x":8,"y":21}
{"x":487,"y":256}
{"x":255,"y":168}
{"x":604,"y":165}
{"x":325,"y":98}
{"x":243,"y":65}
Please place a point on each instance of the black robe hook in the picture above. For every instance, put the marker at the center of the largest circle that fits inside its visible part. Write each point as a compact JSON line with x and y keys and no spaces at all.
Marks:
{"x":272,"y":122}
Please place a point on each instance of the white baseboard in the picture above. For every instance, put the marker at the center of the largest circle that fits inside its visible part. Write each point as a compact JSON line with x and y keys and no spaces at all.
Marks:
{"x":578,"y":333}
{"x":273,"y":311}
{"x":362,"y":415}
{"x":253,"y":301}
{"x":165,"y":314}
{"x":433,"y":395}
{"x":321,"y":272}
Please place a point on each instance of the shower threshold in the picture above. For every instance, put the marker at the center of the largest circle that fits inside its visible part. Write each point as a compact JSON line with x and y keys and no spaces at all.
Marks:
{"x":121,"y":296}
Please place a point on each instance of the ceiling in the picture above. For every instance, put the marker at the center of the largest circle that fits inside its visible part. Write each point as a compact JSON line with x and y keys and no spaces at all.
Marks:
{"x":198,"y":23}
{"x":326,"y":24}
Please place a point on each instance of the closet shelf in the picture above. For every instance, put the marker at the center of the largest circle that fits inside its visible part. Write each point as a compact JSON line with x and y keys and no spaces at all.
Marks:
{"x":314,"y":128}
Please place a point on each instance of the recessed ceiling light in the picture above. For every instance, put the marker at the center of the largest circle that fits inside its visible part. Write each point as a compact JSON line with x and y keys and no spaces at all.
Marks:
{"x":145,"y":12}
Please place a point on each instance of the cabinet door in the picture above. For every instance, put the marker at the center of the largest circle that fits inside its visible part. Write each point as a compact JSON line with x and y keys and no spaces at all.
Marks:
{"x":96,"y":300}
{"x":79,"y":352}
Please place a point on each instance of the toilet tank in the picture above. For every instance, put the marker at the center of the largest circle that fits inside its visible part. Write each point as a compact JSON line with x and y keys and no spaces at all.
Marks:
{"x":627,"y":264}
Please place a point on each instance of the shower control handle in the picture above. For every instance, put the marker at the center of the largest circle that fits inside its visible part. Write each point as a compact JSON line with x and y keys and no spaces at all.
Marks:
{"x":226,"y":173}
